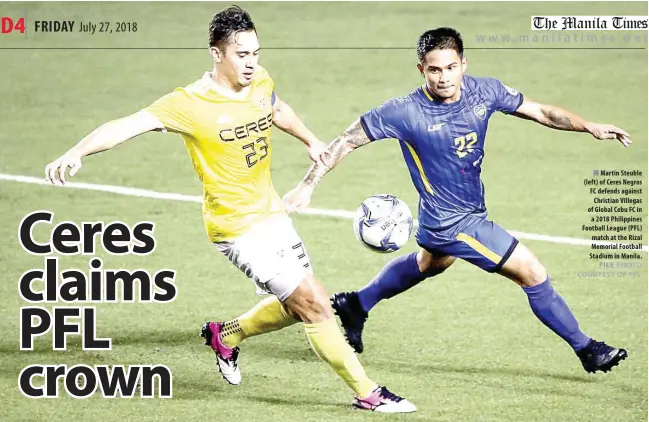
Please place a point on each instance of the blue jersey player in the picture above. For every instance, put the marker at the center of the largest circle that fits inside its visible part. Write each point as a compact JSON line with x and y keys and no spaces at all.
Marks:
{"x":441,"y":127}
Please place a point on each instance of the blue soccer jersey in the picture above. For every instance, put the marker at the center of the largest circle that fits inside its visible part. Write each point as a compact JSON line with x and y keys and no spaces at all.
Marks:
{"x":443,"y":145}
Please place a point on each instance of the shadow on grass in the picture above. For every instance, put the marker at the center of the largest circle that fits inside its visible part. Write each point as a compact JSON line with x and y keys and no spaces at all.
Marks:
{"x":297,"y":401}
{"x":294,"y":352}
{"x":498,"y":371}
{"x":212,"y":387}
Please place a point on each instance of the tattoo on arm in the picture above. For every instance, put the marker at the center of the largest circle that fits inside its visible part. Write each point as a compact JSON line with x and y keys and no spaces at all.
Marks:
{"x":337,"y":149}
{"x":559,"y":121}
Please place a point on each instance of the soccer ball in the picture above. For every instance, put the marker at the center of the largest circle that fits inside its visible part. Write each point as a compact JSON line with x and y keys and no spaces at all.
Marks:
{"x":383,"y":223}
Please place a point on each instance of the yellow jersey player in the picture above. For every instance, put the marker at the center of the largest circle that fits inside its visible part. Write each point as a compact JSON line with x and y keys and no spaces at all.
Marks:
{"x":225,"y":119}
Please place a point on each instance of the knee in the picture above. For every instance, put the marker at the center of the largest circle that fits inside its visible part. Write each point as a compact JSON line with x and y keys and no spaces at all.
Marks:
{"x":314,"y":310}
{"x":430,"y":265}
{"x":310,"y":305}
{"x":535,"y":273}
{"x":424,"y":261}
{"x":524,"y":268}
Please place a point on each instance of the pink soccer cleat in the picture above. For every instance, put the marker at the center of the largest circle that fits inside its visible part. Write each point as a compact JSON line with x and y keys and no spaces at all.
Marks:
{"x":382,"y":400}
{"x":226,"y":357}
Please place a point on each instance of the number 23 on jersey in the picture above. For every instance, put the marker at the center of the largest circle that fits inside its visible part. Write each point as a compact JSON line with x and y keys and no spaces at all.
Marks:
{"x":259,"y":151}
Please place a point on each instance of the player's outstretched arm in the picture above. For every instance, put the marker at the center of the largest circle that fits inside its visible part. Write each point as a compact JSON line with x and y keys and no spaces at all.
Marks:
{"x":105,"y":137}
{"x":336,"y":150}
{"x":560,"y":119}
{"x":285,"y":118}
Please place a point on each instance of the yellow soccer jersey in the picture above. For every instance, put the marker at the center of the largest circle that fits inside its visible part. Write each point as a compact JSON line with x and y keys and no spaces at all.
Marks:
{"x":229,"y":143}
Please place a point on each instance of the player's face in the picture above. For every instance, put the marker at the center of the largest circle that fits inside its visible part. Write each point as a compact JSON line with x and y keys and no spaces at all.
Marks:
{"x":239,"y":60}
{"x":443,"y":70}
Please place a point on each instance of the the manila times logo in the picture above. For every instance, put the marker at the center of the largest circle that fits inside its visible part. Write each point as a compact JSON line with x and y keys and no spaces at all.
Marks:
{"x":9,"y":25}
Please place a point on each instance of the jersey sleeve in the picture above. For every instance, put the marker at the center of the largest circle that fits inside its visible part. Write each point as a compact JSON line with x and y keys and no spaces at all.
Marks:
{"x":389,"y":120}
{"x":174,"y":111}
{"x":506,"y":99}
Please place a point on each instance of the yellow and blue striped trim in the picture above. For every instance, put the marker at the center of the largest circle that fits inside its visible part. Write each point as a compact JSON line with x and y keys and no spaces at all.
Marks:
{"x":479,"y":247}
{"x":424,"y":87}
{"x":424,"y":179}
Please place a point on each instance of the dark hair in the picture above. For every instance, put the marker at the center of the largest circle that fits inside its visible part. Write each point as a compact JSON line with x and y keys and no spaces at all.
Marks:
{"x":227,"y":23}
{"x":439,"y":39}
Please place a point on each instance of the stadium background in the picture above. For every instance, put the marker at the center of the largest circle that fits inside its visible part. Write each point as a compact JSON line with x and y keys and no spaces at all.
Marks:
{"x":464,"y":346}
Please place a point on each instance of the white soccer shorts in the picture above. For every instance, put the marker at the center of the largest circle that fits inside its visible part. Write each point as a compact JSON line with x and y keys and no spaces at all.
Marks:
{"x":272,"y":254}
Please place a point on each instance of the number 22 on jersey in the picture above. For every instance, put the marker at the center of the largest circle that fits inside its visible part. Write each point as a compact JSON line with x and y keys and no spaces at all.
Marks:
{"x":465,"y":144}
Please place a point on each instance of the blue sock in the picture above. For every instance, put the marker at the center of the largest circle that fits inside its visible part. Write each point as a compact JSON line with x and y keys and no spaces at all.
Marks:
{"x":551,"y":310}
{"x":396,"y":277}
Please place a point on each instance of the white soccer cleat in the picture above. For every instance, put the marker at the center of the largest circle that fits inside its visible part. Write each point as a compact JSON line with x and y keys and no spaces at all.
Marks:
{"x":229,"y":367}
{"x":226,"y":357}
{"x":382,"y":400}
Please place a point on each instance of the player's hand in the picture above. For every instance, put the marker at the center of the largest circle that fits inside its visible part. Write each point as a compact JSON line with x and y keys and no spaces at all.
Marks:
{"x":298,"y":198}
{"x":318,"y":152}
{"x":601,"y":131}
{"x":59,"y":166}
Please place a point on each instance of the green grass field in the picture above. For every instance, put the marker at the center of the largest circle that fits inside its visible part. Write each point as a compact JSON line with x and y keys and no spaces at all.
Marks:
{"x":463,"y":346}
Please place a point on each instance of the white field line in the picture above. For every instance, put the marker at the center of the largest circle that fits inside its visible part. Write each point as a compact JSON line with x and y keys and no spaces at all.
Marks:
{"x":143,"y":193}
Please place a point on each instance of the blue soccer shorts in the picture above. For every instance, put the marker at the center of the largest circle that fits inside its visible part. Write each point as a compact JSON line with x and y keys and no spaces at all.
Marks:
{"x":474,"y":239}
